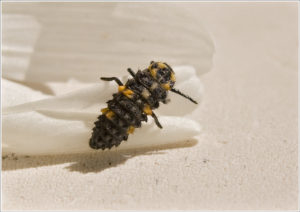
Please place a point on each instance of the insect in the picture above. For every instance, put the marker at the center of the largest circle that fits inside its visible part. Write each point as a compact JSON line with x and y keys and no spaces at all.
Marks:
{"x":133,"y":102}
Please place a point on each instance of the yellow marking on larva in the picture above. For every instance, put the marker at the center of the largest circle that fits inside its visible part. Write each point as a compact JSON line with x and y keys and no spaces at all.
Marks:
{"x":173,"y":78}
{"x":166,"y":86}
{"x":153,"y":72}
{"x":147,"y":109}
{"x":121,"y":88}
{"x":161,"y":65}
{"x":104,"y":110}
{"x":130,"y":130}
{"x":109,"y":114}
{"x":128,"y":93}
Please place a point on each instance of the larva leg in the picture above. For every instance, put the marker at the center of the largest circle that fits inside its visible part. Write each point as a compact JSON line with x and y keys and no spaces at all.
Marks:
{"x":112,"y":79}
{"x":156,"y":120}
{"x":131,"y":72}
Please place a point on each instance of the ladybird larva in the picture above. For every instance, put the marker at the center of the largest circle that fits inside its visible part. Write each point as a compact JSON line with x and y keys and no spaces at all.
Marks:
{"x":133,"y":102}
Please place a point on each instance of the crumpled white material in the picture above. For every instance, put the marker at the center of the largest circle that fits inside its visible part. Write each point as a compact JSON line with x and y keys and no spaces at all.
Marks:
{"x":51,"y":88}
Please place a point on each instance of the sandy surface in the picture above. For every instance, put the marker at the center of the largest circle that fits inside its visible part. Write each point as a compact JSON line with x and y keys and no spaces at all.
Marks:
{"x":246,"y":157}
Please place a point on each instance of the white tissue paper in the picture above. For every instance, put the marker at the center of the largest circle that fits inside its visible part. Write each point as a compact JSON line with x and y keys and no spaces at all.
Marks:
{"x":52,"y":61}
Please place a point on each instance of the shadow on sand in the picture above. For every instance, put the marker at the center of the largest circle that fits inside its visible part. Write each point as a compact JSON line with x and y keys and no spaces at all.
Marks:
{"x":88,"y":162}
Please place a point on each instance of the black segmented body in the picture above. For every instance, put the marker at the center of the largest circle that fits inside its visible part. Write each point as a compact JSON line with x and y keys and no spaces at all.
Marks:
{"x":131,"y":105}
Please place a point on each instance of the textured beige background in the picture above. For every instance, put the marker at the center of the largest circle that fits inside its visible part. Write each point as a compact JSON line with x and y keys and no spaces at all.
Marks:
{"x":246,"y":157}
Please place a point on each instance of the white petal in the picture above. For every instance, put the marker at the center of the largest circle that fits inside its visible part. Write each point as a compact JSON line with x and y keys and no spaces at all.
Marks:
{"x":63,"y":124}
{"x":83,"y":43}
{"x":53,"y":132}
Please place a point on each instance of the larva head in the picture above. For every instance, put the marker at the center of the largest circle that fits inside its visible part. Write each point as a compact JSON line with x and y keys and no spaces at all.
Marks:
{"x":163,"y":73}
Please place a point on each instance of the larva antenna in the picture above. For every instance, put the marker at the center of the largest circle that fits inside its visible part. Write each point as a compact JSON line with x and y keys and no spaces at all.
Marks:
{"x":185,"y":96}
